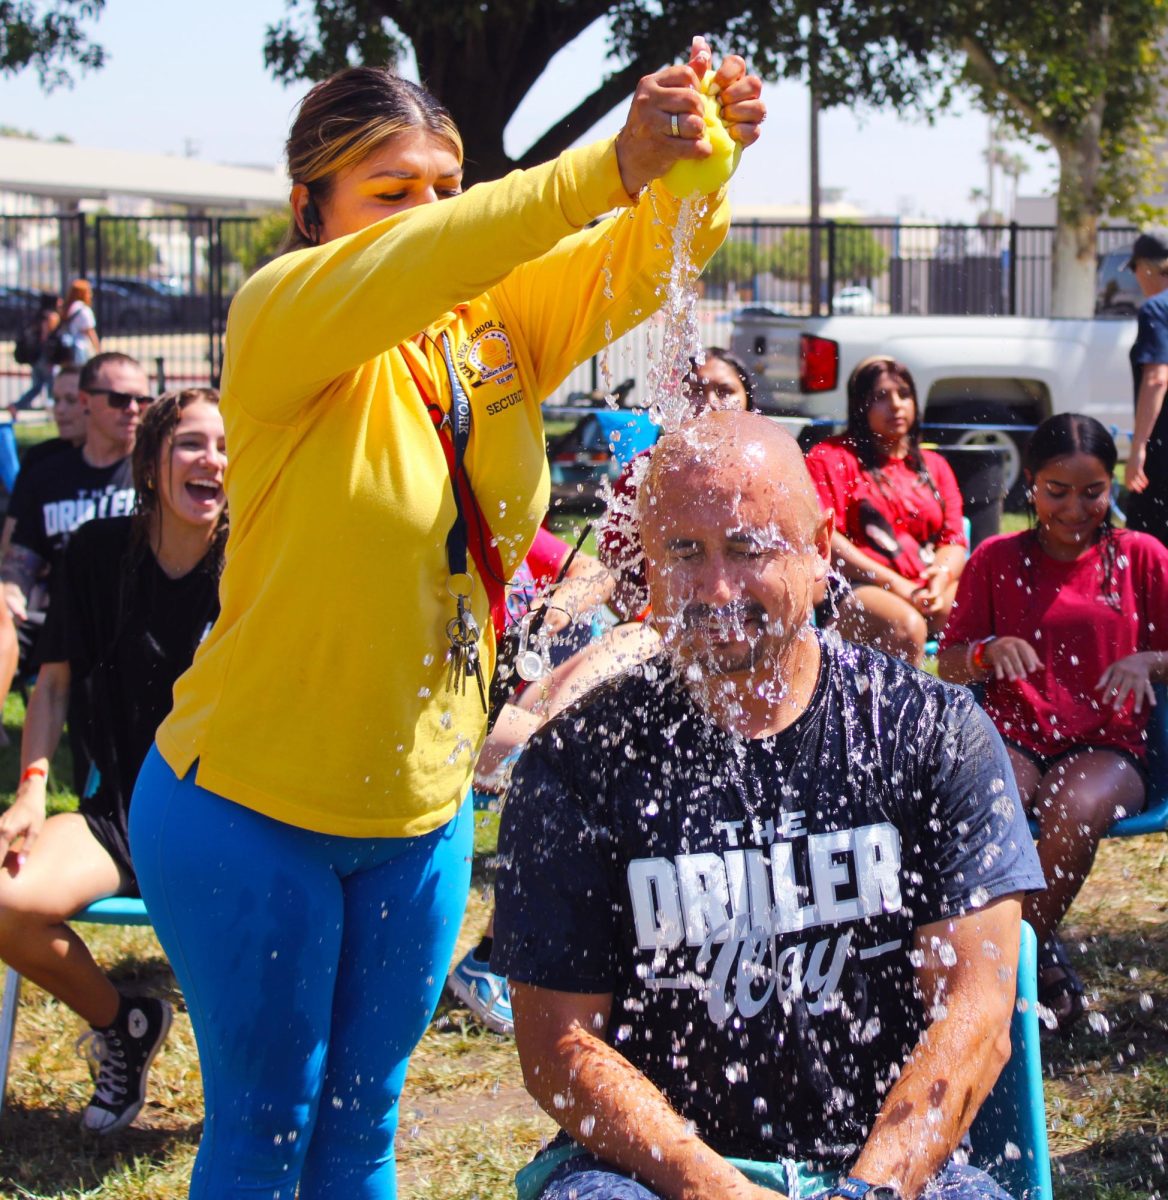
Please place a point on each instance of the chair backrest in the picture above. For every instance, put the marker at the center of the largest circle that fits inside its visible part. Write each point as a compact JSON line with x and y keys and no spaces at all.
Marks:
{"x":1154,"y":818}
{"x":1009,"y":1135}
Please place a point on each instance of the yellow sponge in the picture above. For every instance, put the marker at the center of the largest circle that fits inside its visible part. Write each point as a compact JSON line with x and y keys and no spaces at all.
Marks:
{"x":706,"y":175}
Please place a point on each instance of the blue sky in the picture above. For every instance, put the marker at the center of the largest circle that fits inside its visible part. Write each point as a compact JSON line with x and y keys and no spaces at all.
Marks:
{"x":180,"y":74}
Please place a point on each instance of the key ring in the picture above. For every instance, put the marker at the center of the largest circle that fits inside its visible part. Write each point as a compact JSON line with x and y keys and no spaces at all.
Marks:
{"x":454,"y":586}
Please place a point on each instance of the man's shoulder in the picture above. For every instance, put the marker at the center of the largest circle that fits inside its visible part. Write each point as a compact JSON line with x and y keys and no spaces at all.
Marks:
{"x":897,"y":705}
{"x":41,"y":452}
{"x":627,"y":707}
{"x":1156,"y":306}
{"x":50,"y":471}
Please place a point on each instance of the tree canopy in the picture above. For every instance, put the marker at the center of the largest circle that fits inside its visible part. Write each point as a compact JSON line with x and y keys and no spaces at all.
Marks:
{"x":50,"y":36}
{"x":481,"y":61}
{"x":1086,"y":77}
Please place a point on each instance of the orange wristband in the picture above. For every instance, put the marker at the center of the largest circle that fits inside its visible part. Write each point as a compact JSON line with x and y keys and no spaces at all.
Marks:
{"x":978,"y":657}
{"x":33,"y":772}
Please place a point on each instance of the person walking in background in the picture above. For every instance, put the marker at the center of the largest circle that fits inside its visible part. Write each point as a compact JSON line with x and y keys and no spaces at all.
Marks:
{"x":1146,"y":473}
{"x":78,"y":333}
{"x":35,"y":347}
{"x":899,"y":537}
{"x":135,"y":597}
{"x":302,"y":829}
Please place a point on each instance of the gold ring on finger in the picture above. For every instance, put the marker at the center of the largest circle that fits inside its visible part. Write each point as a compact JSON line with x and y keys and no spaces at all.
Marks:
{"x":673,"y":126}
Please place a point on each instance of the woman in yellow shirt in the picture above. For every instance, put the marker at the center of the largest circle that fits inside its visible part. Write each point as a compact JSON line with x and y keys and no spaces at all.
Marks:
{"x":301,"y":832}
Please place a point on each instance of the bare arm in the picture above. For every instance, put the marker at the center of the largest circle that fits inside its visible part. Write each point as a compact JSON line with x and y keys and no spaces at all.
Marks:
{"x":607,"y":1105}
{"x":6,"y":536}
{"x":1149,"y":402}
{"x":43,"y":725}
{"x":18,"y":572}
{"x":858,"y":567}
{"x":961,"y":1052}
{"x":587,"y":585}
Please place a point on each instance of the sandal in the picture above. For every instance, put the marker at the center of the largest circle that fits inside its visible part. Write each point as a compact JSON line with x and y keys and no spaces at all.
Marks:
{"x":1060,"y":990}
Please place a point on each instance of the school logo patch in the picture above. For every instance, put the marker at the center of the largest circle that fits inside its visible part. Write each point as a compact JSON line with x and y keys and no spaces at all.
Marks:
{"x":488,"y":357}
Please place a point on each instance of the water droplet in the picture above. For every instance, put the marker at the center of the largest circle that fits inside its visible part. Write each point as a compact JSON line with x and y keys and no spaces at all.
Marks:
{"x":1099,"y":1023}
{"x":587,"y":1124}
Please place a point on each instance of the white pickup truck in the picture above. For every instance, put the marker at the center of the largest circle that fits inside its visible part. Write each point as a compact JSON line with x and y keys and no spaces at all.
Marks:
{"x":975,"y":371}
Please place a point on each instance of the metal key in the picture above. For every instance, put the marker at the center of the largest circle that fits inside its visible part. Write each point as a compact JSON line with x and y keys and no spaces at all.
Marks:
{"x":463,"y":633}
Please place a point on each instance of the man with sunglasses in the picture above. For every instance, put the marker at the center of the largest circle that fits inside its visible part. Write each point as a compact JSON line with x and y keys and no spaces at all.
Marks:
{"x":61,"y":493}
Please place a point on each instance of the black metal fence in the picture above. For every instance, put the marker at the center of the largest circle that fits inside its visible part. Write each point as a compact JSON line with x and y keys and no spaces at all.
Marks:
{"x":907,"y":268}
{"x":162,"y":285}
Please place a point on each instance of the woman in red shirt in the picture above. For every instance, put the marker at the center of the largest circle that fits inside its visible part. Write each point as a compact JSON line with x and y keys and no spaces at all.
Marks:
{"x":1066,"y":624}
{"x":899,"y":538}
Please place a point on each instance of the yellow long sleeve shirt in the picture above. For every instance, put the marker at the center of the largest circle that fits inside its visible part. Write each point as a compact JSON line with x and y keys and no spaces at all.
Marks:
{"x":319,"y":696}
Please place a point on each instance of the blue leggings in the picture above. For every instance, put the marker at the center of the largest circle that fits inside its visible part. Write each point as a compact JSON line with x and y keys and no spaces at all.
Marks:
{"x":311,"y":966}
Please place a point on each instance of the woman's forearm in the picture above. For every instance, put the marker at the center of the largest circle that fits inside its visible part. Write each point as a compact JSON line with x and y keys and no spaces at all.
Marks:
{"x":606,"y":1105}
{"x":954,"y":666}
{"x":45,"y":720}
{"x":858,"y":567}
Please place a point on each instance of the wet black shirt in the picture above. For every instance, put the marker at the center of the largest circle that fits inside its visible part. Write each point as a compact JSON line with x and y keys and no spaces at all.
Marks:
{"x":128,"y":631}
{"x":751,"y":904}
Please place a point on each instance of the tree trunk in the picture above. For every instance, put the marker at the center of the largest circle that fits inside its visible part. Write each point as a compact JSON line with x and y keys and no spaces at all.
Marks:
{"x":1074,"y":266}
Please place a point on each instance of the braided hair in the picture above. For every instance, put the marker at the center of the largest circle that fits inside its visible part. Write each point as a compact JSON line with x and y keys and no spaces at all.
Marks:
{"x":1059,"y":437}
{"x":861,"y":396}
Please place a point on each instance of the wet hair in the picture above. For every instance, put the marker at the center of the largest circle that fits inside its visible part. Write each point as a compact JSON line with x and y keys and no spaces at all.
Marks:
{"x":79,"y":289}
{"x":737,"y":366}
{"x":345,"y":118}
{"x":93,"y":368}
{"x":154,"y":438}
{"x":861,"y":396}
{"x":1059,"y":437}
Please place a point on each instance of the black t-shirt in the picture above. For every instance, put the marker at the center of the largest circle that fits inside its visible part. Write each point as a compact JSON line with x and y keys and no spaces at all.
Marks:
{"x":128,"y":631}
{"x":38,"y":452}
{"x":751,"y":905}
{"x":60,"y":493}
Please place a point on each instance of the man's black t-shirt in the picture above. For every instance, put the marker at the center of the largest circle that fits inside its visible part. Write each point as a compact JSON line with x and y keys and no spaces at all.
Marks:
{"x":61,"y":493}
{"x":751,"y":905}
{"x":128,"y":631}
{"x":38,"y":452}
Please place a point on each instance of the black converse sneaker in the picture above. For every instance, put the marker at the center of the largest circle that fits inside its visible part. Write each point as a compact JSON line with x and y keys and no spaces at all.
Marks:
{"x":124,"y":1052}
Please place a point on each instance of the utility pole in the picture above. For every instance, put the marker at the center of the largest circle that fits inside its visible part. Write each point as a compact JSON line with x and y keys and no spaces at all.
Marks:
{"x":813,"y":272}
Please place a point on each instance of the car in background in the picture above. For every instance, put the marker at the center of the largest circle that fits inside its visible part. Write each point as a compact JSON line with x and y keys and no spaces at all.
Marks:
{"x":854,"y":301}
{"x":1117,"y":291}
{"x":131,"y":308}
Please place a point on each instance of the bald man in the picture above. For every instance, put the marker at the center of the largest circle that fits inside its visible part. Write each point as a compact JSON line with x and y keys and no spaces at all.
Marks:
{"x":758,"y":898}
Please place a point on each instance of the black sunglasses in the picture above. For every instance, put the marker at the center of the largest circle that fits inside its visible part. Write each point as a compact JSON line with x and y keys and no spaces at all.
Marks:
{"x":120,"y":399}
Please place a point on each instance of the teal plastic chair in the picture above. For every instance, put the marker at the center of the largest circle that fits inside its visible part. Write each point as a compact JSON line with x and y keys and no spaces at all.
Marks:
{"x":1008,"y":1138}
{"x":117,"y":910}
{"x":1154,"y":818}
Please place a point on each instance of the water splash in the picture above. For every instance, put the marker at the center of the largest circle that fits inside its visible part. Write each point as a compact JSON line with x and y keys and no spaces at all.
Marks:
{"x":669,"y":403}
